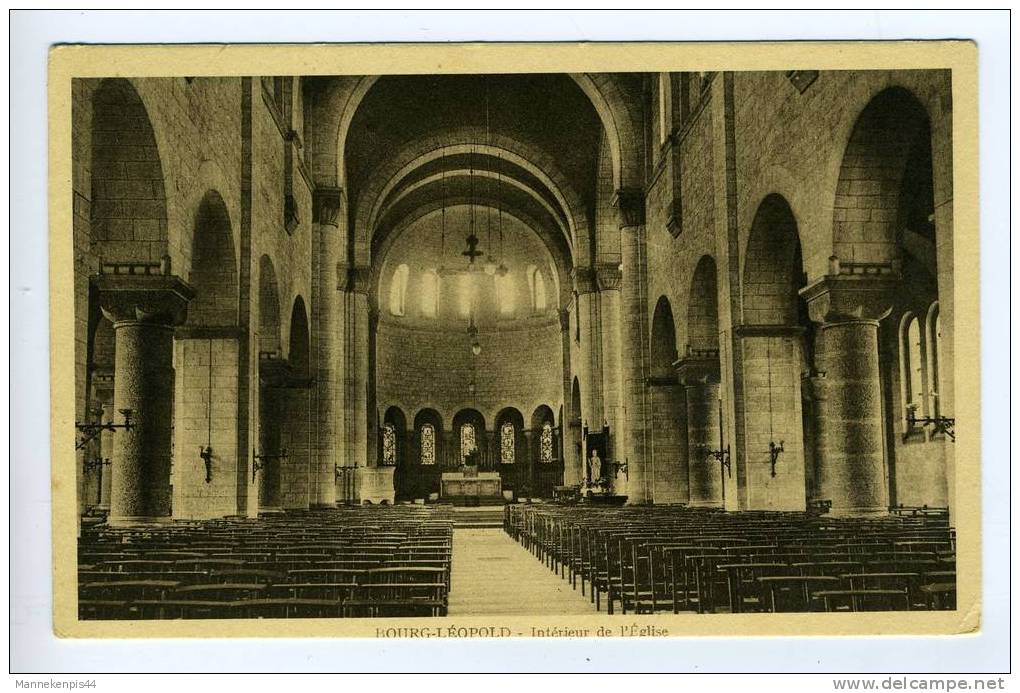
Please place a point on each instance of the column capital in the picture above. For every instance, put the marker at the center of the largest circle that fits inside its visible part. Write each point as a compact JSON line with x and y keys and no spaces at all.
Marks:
{"x":142,"y":293}
{"x":327,"y":201}
{"x":608,"y":276}
{"x":852,"y":291}
{"x":354,"y":279}
{"x":698,"y":366}
{"x":631,"y":205}
{"x":584,"y":280}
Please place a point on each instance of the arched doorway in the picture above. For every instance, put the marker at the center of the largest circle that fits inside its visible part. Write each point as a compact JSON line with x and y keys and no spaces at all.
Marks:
{"x":668,"y":455}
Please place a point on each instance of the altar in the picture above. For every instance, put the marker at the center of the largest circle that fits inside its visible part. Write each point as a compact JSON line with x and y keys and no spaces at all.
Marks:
{"x":470,"y":485}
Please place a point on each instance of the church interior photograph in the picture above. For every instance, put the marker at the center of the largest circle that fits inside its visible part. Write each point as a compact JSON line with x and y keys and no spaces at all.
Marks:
{"x":513,"y":344}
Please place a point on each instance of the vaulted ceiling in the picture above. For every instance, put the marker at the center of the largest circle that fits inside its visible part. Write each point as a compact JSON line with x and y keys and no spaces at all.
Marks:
{"x":527,"y":144}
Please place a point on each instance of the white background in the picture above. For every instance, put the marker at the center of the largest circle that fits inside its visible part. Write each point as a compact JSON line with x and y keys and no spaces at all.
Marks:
{"x":33,"y":647}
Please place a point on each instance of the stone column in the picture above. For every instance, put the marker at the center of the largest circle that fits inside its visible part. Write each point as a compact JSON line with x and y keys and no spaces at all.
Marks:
{"x":668,"y":450}
{"x":273,"y":374}
{"x":296,"y":470}
{"x":327,"y":206}
{"x":374,"y":482}
{"x":848,"y":303}
{"x":103,"y":386}
{"x":634,"y":342}
{"x":573,"y":470}
{"x":144,"y":303}
{"x":589,"y":361}
{"x":530,"y":476}
{"x":609,"y":279}
{"x":699,"y":373}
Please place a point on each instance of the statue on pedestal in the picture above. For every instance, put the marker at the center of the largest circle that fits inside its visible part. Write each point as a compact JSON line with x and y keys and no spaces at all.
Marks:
{"x":595,"y":464}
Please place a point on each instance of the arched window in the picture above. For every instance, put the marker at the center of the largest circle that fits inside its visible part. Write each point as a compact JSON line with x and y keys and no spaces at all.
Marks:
{"x":389,"y":444}
{"x":467,"y":439}
{"x":465,"y":286}
{"x":398,"y":290}
{"x":934,"y":344}
{"x":505,"y":294}
{"x":428,"y":444}
{"x":911,"y":366}
{"x":507,"y":443}
{"x":546,"y":451}
{"x":537,"y":285}
{"x":430,"y":294}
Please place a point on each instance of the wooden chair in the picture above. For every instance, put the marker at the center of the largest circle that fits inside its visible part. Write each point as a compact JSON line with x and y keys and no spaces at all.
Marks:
{"x":863,"y":600}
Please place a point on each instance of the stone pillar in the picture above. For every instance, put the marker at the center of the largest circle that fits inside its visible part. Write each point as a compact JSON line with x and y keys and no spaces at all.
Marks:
{"x":609,"y":280}
{"x":296,"y":470}
{"x":327,"y":207}
{"x":848,"y":304}
{"x":358,"y":343}
{"x":206,"y":361}
{"x":668,"y":450}
{"x":769,"y":413}
{"x":144,"y":303}
{"x":273,"y":375}
{"x":573,"y":470}
{"x":103,"y":386}
{"x":634,"y":342}
{"x":589,"y":361}
{"x":530,"y":446}
{"x":699,"y":373}
{"x":374,"y":483}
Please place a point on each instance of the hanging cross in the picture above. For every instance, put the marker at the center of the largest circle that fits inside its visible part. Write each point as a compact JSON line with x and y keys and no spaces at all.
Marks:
{"x":472,"y":252}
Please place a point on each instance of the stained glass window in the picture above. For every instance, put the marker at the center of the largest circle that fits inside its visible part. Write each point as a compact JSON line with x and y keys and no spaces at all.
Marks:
{"x":546,"y":454}
{"x":506,"y":443}
{"x":428,"y":444}
{"x":389,"y":444}
{"x":467,"y":439}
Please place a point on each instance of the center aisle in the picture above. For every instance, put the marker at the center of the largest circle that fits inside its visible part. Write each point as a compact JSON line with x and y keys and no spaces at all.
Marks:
{"x":493,"y":575}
